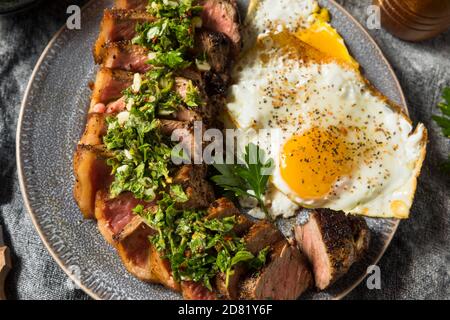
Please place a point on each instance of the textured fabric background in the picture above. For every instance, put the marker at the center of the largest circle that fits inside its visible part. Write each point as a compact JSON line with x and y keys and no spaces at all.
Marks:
{"x":415,"y":266}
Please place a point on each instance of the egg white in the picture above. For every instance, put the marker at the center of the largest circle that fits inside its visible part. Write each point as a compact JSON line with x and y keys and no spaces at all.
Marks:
{"x":294,"y":94}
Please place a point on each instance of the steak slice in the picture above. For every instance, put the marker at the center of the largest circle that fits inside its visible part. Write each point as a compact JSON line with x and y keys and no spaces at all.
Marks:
{"x":332,"y":242}
{"x":222,"y":208}
{"x":108,"y":86}
{"x":95,"y":129}
{"x":199,"y":191}
{"x":215,"y":84}
{"x":196,"y":291}
{"x":260,"y":235}
{"x":183,"y":133}
{"x":125,"y":56}
{"x":118,"y":25}
{"x":131,"y":4}
{"x":223,"y":16}
{"x":91,"y":174}
{"x":135,"y":252}
{"x":285,"y":277}
{"x":130,"y":235}
{"x":161,"y":269}
{"x":219,"y":209}
{"x":216,"y":46}
{"x":114,"y":214}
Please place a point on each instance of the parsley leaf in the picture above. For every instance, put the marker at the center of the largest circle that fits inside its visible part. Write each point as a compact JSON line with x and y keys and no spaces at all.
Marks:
{"x":248,"y":179}
{"x":444,"y":120}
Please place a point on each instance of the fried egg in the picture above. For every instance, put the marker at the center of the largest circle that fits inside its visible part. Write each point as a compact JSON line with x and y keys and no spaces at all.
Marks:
{"x":339,"y":143}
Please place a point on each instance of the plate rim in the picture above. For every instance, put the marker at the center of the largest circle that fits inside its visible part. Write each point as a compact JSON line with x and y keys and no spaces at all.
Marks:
{"x":33,"y":216}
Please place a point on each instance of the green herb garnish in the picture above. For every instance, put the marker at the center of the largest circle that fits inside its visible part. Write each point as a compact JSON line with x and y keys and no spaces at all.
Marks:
{"x":444,"y":120}
{"x":248,"y":179}
{"x":171,"y":35}
{"x":196,"y":248}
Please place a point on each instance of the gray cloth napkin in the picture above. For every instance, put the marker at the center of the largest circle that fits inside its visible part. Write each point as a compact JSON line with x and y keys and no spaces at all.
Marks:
{"x":415,"y":266}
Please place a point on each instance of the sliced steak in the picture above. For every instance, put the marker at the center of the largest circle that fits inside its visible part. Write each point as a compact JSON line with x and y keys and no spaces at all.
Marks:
{"x":135,"y":252}
{"x":108,"y":87}
{"x":125,"y":56}
{"x":185,"y":114}
{"x":199,"y":191}
{"x":91,"y":174}
{"x":202,"y":112}
{"x":131,"y":4}
{"x":221,"y":208}
{"x":262,"y":234}
{"x":161,"y":269}
{"x":224,"y":207}
{"x":196,"y":291}
{"x":118,"y":25}
{"x":285,"y":277}
{"x":215,"y":84}
{"x":223,"y":16}
{"x":114,"y":214}
{"x":130,"y":235}
{"x":332,"y":242}
{"x":95,"y":129}
{"x":216,"y":46}
{"x":183,"y":133}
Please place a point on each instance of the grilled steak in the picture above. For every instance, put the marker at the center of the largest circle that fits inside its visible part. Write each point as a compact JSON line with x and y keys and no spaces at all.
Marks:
{"x":215,"y":84}
{"x":216,"y":46}
{"x":135,"y":252}
{"x":332,"y":242}
{"x":196,"y":291}
{"x":113,"y":215}
{"x":285,"y":277}
{"x":95,"y":129}
{"x":222,"y":208}
{"x":108,"y":86}
{"x":125,"y":56}
{"x":131,"y":4}
{"x":260,"y":235}
{"x":196,"y":187}
{"x":223,"y":16}
{"x":118,"y":25}
{"x":161,"y":269}
{"x":92,"y":174}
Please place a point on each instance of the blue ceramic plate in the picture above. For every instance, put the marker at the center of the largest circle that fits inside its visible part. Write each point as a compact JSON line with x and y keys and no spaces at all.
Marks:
{"x":51,"y":121}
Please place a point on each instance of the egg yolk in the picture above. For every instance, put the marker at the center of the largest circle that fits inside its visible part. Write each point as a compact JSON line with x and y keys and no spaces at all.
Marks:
{"x":312,"y":163}
{"x":321,"y":36}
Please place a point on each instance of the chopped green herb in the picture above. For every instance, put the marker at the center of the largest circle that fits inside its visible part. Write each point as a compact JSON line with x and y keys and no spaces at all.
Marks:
{"x":248,"y":179}
{"x":172,"y":34}
{"x":196,"y":248}
{"x":192,"y":98}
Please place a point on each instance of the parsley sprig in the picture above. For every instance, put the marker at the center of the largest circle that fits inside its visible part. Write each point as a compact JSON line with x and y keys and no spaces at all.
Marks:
{"x":247,"y":179}
{"x":444,"y":120}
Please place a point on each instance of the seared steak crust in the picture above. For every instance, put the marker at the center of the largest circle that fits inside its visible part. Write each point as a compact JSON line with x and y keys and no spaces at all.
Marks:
{"x":216,"y":46}
{"x":285,"y":277}
{"x":332,"y":241}
{"x":223,"y":16}
{"x":118,"y":25}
